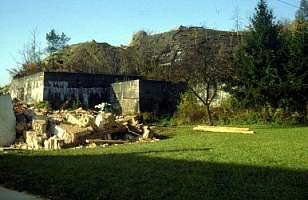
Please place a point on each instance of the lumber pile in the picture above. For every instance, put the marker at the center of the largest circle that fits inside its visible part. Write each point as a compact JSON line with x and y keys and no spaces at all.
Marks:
{"x":219,"y":129}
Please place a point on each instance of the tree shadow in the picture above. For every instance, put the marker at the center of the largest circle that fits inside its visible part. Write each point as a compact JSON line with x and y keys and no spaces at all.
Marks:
{"x":144,"y":175}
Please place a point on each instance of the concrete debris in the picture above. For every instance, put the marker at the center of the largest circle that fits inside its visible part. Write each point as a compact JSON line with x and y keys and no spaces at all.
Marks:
{"x":53,"y":143}
{"x":72,"y":135}
{"x":35,"y":140}
{"x":104,"y":107}
{"x":53,"y":130}
{"x":105,"y":121}
{"x":81,"y":119}
{"x":7,"y":121}
{"x":40,"y":126}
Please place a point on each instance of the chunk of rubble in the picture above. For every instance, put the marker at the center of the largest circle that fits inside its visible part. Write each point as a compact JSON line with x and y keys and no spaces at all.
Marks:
{"x":71,"y":134}
{"x":81,"y":120}
{"x":53,"y":143}
{"x":35,"y":140}
{"x":105,"y":121}
{"x":39,"y":126}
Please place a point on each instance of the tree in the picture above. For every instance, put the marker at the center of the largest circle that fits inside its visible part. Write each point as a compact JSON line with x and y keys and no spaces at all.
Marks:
{"x":204,"y":70}
{"x":31,"y":57}
{"x":297,"y":66}
{"x":55,"y":42}
{"x":302,"y":12}
{"x":258,"y":61}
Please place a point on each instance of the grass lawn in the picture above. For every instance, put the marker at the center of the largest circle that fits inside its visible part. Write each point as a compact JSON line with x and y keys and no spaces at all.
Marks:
{"x":272,"y":164}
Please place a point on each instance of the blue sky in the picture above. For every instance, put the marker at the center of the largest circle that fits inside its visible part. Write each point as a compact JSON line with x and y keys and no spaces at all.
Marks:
{"x":114,"y":21}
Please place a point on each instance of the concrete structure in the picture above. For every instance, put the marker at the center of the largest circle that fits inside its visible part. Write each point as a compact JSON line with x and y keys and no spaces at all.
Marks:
{"x":7,"y":121}
{"x":129,"y":94}
{"x":158,"y":97}
{"x":57,"y":87}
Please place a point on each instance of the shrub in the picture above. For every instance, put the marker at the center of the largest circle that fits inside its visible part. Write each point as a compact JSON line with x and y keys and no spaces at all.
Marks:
{"x":42,"y":105}
{"x":265,"y":115}
{"x":147,"y":117}
{"x":189,"y":110}
{"x":74,"y":104}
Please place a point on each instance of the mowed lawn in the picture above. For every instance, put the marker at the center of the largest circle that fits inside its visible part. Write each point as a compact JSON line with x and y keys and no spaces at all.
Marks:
{"x":272,"y":164}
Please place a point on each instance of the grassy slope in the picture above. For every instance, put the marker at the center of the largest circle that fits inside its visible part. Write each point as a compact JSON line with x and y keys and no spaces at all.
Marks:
{"x":273,"y":164}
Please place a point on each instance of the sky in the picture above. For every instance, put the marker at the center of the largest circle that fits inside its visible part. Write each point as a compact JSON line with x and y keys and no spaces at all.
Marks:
{"x":114,"y":21}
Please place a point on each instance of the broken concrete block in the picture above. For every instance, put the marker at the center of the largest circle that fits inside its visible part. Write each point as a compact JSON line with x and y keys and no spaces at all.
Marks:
{"x":146,"y":132}
{"x":35,"y":140}
{"x":40,"y":126}
{"x":7,"y":121}
{"x":83,"y":120}
{"x":71,"y":134}
{"x":53,"y":143}
{"x":105,"y":121}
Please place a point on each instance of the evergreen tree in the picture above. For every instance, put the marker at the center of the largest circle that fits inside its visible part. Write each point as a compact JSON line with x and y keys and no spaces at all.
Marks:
{"x":297,"y":67}
{"x":55,"y":42}
{"x":258,"y":61}
{"x":302,"y":13}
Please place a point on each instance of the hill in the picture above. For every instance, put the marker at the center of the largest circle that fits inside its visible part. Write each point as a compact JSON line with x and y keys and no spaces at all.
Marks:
{"x":143,"y":55}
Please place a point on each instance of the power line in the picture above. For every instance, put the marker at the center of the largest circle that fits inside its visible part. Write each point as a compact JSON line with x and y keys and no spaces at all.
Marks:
{"x":289,"y":4}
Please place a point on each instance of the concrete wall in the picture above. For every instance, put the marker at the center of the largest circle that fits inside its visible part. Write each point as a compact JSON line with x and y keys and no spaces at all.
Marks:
{"x":29,"y":88}
{"x":137,"y":96}
{"x":125,"y":97}
{"x":89,"y":89}
{"x":159,"y":97}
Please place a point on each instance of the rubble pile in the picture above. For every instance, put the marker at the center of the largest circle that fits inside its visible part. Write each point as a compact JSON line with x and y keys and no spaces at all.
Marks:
{"x":51,"y":130}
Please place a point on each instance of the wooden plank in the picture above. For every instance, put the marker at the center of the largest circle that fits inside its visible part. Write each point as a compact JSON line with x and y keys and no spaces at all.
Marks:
{"x":218,"y":129}
{"x":99,"y":141}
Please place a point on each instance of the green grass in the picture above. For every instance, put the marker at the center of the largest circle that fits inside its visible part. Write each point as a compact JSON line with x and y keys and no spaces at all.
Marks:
{"x":272,"y":164}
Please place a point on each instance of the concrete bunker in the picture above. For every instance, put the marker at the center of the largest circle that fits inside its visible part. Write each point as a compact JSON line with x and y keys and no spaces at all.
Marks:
{"x":129,"y":94}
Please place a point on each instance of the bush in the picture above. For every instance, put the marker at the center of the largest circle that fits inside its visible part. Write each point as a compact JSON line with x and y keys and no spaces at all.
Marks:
{"x":189,"y":110}
{"x":42,"y":105}
{"x":4,"y":90}
{"x":147,"y":117}
{"x":74,"y":104}
{"x":265,"y":115}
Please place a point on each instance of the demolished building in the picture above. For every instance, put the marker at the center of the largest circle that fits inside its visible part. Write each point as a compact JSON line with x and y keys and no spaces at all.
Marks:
{"x":128,"y":94}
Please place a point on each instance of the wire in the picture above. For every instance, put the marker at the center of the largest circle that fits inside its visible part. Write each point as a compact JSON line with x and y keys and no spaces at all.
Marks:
{"x":289,"y":4}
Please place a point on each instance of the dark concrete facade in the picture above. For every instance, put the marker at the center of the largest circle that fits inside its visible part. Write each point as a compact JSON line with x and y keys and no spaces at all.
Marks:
{"x":157,"y":97}
{"x":128,"y":94}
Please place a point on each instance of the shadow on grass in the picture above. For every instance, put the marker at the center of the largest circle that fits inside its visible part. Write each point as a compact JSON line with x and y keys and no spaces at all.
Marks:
{"x":138,"y":176}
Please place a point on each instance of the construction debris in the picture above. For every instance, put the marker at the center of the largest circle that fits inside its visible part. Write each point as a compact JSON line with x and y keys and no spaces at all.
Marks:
{"x":53,"y":143}
{"x":218,"y":129}
{"x":35,"y":140}
{"x":52,"y":130}
{"x":7,"y":121}
{"x":72,"y":135}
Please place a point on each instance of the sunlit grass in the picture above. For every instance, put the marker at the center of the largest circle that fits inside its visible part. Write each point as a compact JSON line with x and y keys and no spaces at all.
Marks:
{"x":272,"y":164}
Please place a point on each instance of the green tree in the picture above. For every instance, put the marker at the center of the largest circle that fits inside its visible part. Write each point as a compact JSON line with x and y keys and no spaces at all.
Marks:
{"x":302,"y":12}
{"x":204,"y":69}
{"x":297,"y":66}
{"x":55,"y":42}
{"x":257,"y":65}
